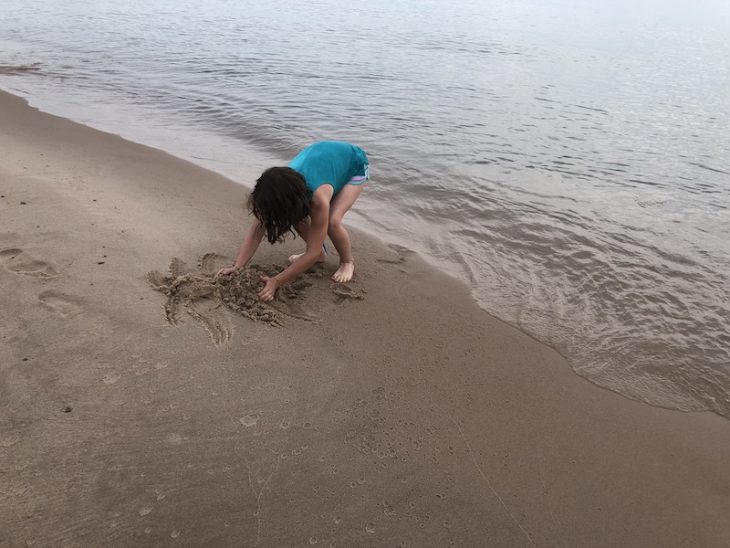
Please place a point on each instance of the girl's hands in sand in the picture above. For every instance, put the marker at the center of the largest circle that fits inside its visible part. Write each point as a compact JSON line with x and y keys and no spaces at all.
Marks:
{"x":226,"y":271}
{"x":269,"y":290}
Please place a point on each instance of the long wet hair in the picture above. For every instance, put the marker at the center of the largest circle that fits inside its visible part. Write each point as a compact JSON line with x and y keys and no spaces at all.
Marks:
{"x":279,"y":200}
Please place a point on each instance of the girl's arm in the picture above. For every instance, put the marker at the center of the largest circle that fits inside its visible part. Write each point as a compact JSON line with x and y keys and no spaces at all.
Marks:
{"x":319,"y":216}
{"x":249,"y":245}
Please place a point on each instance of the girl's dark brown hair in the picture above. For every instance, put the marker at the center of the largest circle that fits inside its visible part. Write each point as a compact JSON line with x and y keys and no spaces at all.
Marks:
{"x":279,"y":200}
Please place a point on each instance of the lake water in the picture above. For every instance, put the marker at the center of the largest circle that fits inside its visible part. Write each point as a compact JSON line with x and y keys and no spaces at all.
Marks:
{"x":570,"y":160}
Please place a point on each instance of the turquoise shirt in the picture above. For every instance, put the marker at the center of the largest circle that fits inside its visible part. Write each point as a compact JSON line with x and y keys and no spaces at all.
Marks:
{"x":333,"y":163}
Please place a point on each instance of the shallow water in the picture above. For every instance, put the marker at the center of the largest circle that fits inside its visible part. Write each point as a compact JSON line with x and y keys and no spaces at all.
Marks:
{"x":570,"y":161}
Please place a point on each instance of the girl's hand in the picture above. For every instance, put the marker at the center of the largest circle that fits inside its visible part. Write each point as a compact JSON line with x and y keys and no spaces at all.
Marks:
{"x":226,"y":271}
{"x":269,"y":290}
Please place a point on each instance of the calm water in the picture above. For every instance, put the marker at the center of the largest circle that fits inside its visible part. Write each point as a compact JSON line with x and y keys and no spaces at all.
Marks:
{"x":569,"y":159}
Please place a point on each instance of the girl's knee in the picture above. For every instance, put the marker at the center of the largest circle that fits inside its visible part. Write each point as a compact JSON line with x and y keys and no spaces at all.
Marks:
{"x":335,"y":223}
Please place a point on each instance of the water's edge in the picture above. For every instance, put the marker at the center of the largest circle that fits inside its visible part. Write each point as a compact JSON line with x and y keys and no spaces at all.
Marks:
{"x":259,"y":158}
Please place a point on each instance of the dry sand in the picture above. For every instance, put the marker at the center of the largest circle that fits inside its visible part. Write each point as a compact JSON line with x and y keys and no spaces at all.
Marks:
{"x":408,"y":417}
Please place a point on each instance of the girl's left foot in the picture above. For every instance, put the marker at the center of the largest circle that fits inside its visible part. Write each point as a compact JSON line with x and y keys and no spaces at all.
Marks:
{"x":344,"y":273}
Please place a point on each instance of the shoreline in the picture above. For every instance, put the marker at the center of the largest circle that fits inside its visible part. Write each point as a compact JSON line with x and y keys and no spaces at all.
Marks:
{"x":657,"y":395}
{"x":206,"y":442}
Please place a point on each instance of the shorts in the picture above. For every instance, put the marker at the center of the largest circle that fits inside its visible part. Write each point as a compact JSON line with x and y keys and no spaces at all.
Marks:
{"x":360,"y":179}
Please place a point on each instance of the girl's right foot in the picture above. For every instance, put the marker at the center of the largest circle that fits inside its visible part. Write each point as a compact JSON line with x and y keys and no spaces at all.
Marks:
{"x":321,"y":258}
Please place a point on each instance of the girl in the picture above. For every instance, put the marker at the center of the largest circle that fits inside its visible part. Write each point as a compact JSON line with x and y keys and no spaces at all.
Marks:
{"x":310,"y":196}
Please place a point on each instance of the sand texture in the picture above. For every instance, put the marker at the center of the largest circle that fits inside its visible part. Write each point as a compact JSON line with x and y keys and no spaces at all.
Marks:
{"x":173,"y":409}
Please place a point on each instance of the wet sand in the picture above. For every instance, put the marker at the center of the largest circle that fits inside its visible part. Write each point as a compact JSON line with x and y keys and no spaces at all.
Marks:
{"x":403,"y":417}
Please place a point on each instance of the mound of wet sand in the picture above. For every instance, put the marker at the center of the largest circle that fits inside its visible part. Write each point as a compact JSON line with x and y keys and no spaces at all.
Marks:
{"x":201,"y":294}
{"x":185,"y":288}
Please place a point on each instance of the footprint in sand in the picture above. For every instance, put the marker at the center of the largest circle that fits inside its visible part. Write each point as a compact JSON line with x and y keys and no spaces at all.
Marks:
{"x":402,"y":253}
{"x":211,"y":263}
{"x":60,"y":304}
{"x":20,"y":262}
{"x":344,"y":292}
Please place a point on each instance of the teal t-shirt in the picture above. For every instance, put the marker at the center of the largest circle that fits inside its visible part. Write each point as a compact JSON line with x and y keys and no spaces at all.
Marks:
{"x":331,"y":162}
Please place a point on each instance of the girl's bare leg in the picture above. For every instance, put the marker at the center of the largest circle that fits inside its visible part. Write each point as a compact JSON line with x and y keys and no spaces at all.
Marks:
{"x":337,"y":232}
{"x":303,"y":230}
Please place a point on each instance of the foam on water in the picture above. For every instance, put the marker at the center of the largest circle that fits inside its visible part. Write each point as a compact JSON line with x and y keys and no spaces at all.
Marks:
{"x":568,"y":161}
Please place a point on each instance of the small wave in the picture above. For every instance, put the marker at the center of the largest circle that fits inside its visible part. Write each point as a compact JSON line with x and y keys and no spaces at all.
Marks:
{"x":708,"y":168}
{"x":19,"y":70}
{"x":594,"y":109}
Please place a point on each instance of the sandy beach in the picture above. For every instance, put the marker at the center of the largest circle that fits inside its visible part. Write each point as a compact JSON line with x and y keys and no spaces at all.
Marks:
{"x":392,"y":413}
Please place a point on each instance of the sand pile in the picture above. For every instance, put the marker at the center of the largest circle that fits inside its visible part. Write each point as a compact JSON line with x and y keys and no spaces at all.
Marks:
{"x":186,"y":289}
{"x":203,"y":295}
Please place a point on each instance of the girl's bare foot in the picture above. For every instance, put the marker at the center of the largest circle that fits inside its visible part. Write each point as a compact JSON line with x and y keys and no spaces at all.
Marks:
{"x":344,"y":273}
{"x":293,"y":258}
